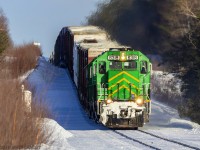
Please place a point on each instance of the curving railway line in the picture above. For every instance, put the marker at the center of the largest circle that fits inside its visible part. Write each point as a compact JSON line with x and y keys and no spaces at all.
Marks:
{"x":148,"y":139}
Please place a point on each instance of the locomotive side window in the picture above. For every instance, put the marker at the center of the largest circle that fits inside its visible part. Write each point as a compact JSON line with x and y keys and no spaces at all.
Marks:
{"x":143,"y":67}
{"x":102,"y":67}
{"x":115,"y":65}
{"x":130,"y":65}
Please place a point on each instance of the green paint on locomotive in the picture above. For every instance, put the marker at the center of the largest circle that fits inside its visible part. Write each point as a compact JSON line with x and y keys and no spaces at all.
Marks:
{"x":119,"y":75}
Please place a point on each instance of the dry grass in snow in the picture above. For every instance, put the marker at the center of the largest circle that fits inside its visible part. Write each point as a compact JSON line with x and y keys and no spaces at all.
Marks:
{"x":19,"y":128}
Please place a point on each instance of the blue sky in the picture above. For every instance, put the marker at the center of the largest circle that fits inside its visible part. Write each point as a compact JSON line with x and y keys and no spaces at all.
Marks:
{"x":41,"y":20}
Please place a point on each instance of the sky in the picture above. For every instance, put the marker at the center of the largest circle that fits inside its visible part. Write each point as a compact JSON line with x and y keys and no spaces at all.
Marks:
{"x":41,"y":20}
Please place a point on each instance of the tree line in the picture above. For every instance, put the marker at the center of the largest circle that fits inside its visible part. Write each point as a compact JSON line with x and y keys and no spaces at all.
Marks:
{"x":168,"y":28}
{"x":19,"y":128}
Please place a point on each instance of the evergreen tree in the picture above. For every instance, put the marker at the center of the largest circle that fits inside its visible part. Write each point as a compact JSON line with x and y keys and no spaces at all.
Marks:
{"x":5,"y":40}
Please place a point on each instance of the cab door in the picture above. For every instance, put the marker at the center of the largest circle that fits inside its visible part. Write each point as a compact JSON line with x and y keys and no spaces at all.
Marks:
{"x":144,"y":78}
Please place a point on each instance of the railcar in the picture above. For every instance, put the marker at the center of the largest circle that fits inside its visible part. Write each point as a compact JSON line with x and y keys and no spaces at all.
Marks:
{"x":113,"y":80}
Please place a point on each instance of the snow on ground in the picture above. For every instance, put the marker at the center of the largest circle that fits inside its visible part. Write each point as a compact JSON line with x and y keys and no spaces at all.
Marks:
{"x":72,"y":129}
{"x":165,"y":122}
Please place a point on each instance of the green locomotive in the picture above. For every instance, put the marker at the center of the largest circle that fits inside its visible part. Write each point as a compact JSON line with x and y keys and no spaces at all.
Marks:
{"x":119,"y":88}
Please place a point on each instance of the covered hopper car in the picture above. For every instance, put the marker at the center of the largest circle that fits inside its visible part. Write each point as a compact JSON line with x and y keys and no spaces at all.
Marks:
{"x":113,"y":81}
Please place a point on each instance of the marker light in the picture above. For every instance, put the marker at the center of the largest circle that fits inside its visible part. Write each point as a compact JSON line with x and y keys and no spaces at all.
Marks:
{"x":123,"y":56}
{"x":108,"y":101}
{"x":139,"y":101}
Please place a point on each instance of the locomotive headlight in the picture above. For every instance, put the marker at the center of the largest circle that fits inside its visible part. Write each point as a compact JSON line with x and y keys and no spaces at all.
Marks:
{"x":139,"y":101}
{"x":108,"y":101}
{"x":122,"y":57}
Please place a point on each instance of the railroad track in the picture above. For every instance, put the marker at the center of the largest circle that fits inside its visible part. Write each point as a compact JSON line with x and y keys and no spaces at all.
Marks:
{"x":149,"y":140}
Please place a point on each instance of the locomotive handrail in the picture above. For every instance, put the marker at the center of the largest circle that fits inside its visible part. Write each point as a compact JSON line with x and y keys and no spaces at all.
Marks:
{"x":101,"y":93}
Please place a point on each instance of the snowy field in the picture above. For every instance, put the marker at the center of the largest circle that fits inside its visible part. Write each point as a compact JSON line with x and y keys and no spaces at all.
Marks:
{"x":72,"y":129}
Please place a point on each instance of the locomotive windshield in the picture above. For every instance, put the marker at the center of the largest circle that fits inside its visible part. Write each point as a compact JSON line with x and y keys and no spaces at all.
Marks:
{"x":130,"y":65}
{"x":115,"y":65}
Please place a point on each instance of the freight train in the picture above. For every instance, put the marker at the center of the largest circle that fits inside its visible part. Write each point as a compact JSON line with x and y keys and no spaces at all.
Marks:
{"x":112,"y":80}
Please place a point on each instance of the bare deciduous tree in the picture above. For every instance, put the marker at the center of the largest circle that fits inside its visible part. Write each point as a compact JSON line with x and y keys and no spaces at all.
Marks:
{"x":190,"y":8}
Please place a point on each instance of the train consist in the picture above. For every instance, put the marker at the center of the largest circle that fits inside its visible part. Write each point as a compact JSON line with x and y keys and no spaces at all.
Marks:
{"x":112,"y":80}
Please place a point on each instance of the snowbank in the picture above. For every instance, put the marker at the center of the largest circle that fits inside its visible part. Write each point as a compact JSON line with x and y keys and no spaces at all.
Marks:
{"x":59,"y":136}
{"x":40,"y":80}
